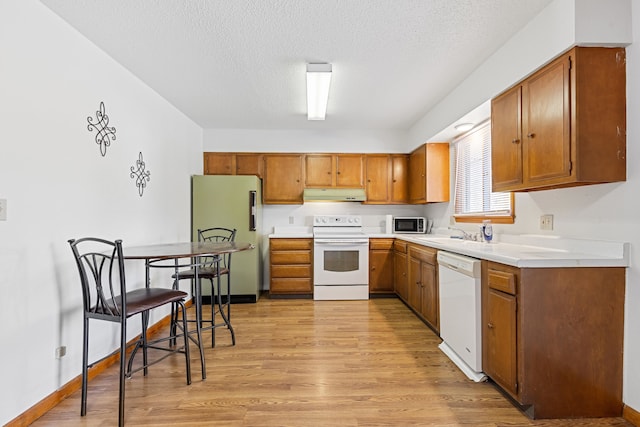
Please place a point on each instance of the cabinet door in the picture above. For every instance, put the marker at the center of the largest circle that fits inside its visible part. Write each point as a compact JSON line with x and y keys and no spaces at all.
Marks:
{"x":506,"y":140}
{"x":400,"y":276}
{"x":219,"y":163}
{"x":437,"y":172}
{"x":429,"y":304}
{"x":350,"y":170}
{"x":546,"y":124}
{"x":399,"y":180}
{"x":318,"y":170}
{"x":380,"y":265}
{"x":378,"y":178}
{"x":417,"y":175}
{"x":500,"y":336}
{"x":249,"y":164}
{"x":415,"y":284}
{"x":282,"y":179}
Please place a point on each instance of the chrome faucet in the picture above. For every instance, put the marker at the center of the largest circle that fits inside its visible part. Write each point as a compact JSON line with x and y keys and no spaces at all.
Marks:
{"x":465,"y":235}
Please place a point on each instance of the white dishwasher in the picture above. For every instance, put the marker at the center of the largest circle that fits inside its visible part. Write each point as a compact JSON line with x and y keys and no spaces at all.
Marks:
{"x":460,"y":314}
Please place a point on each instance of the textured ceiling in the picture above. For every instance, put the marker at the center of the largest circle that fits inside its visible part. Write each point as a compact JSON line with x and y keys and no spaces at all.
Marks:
{"x":241,"y":63}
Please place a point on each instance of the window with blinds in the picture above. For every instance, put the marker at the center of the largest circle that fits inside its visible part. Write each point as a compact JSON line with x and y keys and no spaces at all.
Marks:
{"x":474,"y":199}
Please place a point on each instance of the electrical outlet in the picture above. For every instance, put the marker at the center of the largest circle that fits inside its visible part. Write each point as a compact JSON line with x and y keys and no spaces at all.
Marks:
{"x":546,"y":222}
{"x":3,"y":209}
{"x":290,"y":220}
{"x":61,"y":351}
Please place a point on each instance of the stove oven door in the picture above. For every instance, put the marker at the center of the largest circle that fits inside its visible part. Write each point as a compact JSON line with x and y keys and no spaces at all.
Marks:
{"x":340,"y":262}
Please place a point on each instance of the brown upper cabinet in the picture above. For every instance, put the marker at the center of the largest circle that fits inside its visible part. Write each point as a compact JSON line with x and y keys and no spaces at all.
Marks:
{"x":429,"y":173}
{"x":233,"y":164}
{"x":334,"y":170}
{"x":565,"y":125}
{"x":386,"y":178}
{"x":399,"y":178}
{"x":282,"y":182}
{"x":219,"y":163}
{"x":249,"y":164}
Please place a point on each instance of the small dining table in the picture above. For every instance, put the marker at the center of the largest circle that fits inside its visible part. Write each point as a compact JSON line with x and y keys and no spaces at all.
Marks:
{"x":154,"y":254}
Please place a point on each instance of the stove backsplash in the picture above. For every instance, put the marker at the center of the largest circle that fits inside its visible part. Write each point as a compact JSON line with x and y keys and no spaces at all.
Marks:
{"x":374,"y":217}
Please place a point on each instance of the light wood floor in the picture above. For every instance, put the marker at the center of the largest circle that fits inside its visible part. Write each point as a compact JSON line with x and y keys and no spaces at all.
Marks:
{"x":306,"y":363}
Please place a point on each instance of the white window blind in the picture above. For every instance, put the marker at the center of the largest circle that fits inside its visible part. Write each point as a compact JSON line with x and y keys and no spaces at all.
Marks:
{"x":473,"y":194}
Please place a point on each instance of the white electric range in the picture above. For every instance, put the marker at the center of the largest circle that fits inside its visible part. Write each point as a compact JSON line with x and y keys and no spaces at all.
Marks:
{"x":341,"y":258}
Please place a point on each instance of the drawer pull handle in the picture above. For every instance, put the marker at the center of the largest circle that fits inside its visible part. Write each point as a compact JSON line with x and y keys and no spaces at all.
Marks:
{"x":490,"y":325}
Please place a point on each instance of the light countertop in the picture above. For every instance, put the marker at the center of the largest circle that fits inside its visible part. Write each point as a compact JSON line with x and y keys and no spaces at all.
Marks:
{"x":534,"y":251}
{"x":525,"y":251}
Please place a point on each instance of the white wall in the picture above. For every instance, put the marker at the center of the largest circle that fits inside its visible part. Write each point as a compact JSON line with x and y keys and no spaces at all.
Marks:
{"x":605,"y":211}
{"x":305,"y":141}
{"x":58,"y":187}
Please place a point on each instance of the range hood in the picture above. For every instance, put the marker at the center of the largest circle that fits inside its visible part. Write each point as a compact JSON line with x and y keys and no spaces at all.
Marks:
{"x":334,"y":195}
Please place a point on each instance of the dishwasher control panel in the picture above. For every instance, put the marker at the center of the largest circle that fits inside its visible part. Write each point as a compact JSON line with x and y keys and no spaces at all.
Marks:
{"x":460,"y":263}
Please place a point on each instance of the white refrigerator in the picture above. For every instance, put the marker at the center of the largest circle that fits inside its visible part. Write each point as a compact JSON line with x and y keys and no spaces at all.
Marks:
{"x":232,"y":201}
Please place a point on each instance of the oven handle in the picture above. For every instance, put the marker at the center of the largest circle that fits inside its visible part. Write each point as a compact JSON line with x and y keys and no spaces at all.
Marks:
{"x":340,"y":242}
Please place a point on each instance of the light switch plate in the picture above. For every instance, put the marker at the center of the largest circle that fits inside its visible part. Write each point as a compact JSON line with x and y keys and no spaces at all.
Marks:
{"x":3,"y":209}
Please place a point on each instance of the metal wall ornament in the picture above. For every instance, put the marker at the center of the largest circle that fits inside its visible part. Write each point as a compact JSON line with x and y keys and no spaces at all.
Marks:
{"x":140,"y":175}
{"x":105,"y":134}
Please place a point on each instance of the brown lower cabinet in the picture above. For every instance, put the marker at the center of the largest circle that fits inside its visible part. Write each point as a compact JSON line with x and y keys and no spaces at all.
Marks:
{"x":291,"y":263}
{"x":381,"y":266}
{"x":423,"y":284}
{"x":400,"y":269}
{"x":553,"y":338}
{"x":415,"y":278}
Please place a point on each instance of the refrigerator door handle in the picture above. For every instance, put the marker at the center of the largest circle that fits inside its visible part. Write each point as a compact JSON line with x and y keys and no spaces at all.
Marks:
{"x":252,"y":210}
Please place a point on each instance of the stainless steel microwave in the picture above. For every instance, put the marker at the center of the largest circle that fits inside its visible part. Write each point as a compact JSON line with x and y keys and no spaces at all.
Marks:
{"x":409,"y":224}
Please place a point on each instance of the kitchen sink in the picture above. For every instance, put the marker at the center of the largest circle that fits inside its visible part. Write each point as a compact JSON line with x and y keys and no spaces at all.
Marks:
{"x":451,"y":241}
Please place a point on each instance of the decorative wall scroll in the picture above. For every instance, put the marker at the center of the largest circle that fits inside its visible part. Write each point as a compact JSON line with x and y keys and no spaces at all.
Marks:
{"x":105,"y":134}
{"x":141,"y":176}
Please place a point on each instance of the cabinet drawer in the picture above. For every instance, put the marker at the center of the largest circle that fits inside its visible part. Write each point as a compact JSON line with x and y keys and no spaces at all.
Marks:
{"x":400,"y":246}
{"x":423,"y":254}
{"x":502,"y":281}
{"x":288,"y":244}
{"x":380,"y":244}
{"x":290,"y":285}
{"x":299,"y":271}
{"x":290,"y":257}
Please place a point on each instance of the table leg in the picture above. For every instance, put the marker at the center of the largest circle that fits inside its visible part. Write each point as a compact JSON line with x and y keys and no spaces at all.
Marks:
{"x":198,"y":296}
{"x":221,"y":309}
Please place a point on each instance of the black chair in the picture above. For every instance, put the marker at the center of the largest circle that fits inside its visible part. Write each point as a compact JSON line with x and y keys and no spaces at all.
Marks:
{"x":105,"y":297}
{"x":213,"y":268}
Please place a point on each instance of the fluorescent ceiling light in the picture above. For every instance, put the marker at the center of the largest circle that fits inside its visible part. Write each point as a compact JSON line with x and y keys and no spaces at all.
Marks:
{"x":318,"y":83}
